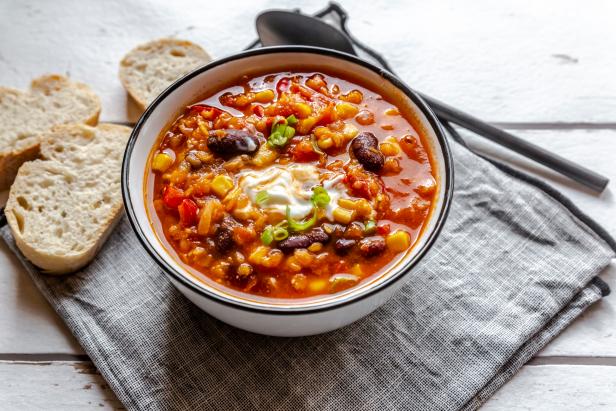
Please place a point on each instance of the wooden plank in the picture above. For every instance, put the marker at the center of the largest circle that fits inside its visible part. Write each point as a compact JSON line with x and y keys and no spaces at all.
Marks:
{"x":558,"y":387}
{"x":515,"y":61}
{"x":25,"y":313}
{"x":54,"y":386}
{"x":27,"y":321}
{"x":77,"y":385}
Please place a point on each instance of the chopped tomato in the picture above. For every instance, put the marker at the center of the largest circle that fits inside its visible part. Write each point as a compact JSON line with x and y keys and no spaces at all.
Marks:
{"x":188,"y":212}
{"x":258,"y":110}
{"x":172,"y":197}
{"x":383,"y":229}
{"x":207,"y":112}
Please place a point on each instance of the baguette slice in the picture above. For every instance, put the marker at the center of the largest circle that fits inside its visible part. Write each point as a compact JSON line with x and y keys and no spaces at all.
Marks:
{"x":151,"y":67}
{"x":62,"y":208}
{"x":51,"y":100}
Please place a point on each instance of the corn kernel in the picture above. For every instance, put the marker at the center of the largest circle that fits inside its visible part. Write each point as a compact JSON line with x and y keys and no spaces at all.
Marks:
{"x":349,"y":131}
{"x":343,"y":215}
{"x":265,"y":156}
{"x":325,"y":143}
{"x":345,"y":110}
{"x":221,"y":185}
{"x":264,"y":96}
{"x":303,"y":110}
{"x":244,"y":270}
{"x":317,"y":285}
{"x":398,"y":241}
{"x":361,"y":206}
{"x":161,"y":162}
{"x":315,"y":247}
{"x":389,"y":149}
{"x":321,"y":132}
{"x":304,"y":125}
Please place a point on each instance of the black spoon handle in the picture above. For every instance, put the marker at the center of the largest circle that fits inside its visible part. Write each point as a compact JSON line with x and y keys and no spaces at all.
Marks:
{"x":575,"y":171}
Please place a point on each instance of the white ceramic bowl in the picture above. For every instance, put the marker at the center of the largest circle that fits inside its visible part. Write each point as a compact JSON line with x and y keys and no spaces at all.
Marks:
{"x":288,"y":317}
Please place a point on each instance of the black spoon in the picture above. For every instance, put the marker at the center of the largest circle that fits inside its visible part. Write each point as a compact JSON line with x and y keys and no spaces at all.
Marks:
{"x":279,"y":27}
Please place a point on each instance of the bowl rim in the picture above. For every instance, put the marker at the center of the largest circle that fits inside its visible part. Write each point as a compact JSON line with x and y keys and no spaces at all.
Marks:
{"x":333,"y":303}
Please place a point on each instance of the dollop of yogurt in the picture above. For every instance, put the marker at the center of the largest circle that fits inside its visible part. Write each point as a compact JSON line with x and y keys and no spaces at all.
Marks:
{"x":291,"y":186}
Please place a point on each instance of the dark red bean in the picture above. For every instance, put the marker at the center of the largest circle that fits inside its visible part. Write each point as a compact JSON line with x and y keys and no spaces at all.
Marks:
{"x":317,"y":235}
{"x":224,"y":236}
{"x":342,"y":246}
{"x":372,"y":246}
{"x":228,"y":143}
{"x":366,"y":151}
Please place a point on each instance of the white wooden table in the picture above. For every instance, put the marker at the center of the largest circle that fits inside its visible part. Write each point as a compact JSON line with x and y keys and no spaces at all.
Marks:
{"x":543,"y":69}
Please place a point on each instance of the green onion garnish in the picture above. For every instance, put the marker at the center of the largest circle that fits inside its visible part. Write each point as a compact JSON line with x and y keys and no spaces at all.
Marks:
{"x":280,"y":233}
{"x":301,"y":225}
{"x":277,"y":139}
{"x":262,"y":197}
{"x":282,"y":132}
{"x":267,"y":236}
{"x":292,"y":120}
{"x":320,"y":197}
{"x":370,"y":227}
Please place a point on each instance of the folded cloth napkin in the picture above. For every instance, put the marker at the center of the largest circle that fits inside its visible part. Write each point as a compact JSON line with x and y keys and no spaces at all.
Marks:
{"x":512,"y":268}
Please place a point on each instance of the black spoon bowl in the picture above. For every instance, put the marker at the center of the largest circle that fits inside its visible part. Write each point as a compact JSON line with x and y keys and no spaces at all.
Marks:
{"x":280,"y":27}
{"x":285,"y":28}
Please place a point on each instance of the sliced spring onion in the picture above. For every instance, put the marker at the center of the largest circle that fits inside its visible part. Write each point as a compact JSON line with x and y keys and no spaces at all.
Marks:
{"x":301,"y":225}
{"x":370,"y":227}
{"x":276,"y":139}
{"x":320,"y":197}
{"x":262,"y":197}
{"x":267,"y":236}
{"x":280,"y":233}
{"x":282,"y":132}
{"x":292,"y":120}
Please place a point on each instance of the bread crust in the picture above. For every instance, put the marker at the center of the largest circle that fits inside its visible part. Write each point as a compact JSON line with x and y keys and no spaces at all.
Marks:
{"x":49,"y":260}
{"x":159,"y":49}
{"x":12,"y":158}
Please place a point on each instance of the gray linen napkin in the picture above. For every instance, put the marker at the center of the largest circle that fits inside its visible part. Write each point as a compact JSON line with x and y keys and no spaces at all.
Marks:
{"x":511,"y":269}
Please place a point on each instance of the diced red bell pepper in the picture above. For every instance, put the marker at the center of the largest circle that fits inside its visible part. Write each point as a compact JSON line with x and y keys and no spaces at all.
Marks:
{"x":188,"y":212}
{"x":209,"y":111}
{"x":383,"y":229}
{"x":172,"y":197}
{"x":258,"y":110}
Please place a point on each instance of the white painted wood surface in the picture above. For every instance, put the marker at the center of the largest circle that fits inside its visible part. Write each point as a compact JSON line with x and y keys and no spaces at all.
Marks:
{"x":54,"y":386}
{"x":514,"y":62}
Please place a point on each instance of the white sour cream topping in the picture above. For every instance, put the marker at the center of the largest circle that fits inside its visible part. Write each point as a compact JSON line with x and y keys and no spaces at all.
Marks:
{"x":291,"y":186}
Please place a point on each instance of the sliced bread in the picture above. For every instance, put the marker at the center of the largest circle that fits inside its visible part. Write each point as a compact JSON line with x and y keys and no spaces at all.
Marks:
{"x":62,"y":207}
{"x":24,"y":115}
{"x":151,"y":67}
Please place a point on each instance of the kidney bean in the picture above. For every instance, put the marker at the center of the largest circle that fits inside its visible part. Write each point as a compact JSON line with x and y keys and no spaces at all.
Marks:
{"x":343,"y":246}
{"x":224,"y":236}
{"x":317,"y":235}
{"x":228,"y":143}
{"x":372,"y":246}
{"x":365,"y":149}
